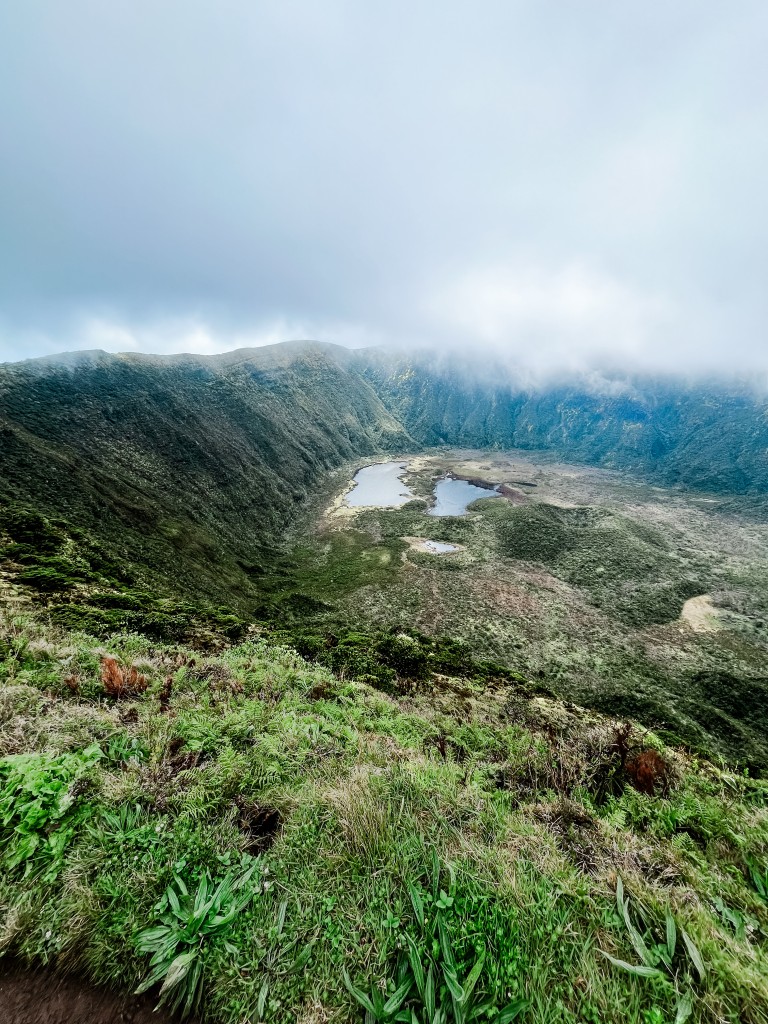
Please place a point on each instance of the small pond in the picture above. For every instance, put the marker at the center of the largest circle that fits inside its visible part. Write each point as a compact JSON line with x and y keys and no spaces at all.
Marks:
{"x":435,"y":547}
{"x":453,"y":496}
{"x":379,"y":486}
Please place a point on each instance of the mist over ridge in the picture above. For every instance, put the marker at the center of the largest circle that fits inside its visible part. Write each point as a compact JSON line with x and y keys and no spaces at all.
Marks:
{"x":483,"y":367}
{"x":572,"y":189}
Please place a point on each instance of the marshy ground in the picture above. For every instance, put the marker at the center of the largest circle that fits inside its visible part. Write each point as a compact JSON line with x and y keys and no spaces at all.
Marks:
{"x":631,"y":598}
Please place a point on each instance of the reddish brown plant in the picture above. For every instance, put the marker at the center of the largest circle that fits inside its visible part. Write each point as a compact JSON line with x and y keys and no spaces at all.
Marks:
{"x":119,"y":681}
{"x":648,"y":772}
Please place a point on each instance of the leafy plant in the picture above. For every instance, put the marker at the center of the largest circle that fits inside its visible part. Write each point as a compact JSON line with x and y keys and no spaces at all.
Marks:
{"x":759,"y":877}
{"x":277,"y":962}
{"x":661,"y":959}
{"x":730,"y":916}
{"x":430,"y":985}
{"x":39,"y":813}
{"x":188,"y":924}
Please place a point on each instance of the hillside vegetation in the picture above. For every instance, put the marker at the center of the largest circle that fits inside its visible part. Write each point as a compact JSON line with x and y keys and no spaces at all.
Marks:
{"x":708,"y":435}
{"x":267,"y":840}
{"x":185,"y":467}
{"x":270,"y":761}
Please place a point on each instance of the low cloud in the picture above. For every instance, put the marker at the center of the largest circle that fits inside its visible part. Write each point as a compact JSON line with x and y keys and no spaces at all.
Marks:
{"x":566,"y":185}
{"x":566,"y":320}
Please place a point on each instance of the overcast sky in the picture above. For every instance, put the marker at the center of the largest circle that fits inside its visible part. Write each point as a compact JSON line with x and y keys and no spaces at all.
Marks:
{"x":571,"y":183}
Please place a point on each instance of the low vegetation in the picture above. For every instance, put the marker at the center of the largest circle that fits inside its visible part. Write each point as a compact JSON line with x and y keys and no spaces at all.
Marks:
{"x":253,"y":837}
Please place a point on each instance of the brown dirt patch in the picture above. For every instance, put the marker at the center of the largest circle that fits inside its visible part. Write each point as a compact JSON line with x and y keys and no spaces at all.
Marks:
{"x":43,"y":997}
{"x":700,"y":614}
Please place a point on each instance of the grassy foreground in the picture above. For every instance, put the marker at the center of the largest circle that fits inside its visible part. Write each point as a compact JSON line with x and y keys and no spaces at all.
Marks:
{"x":273,"y":842}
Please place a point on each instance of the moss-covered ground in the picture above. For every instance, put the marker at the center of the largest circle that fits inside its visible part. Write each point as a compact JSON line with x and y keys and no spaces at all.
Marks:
{"x":278,"y":843}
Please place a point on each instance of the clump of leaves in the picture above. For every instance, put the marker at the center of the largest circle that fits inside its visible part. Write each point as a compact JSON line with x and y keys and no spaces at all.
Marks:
{"x":39,"y":812}
{"x":188,"y":925}
{"x":662,"y":959}
{"x":742,"y":924}
{"x":758,"y":875}
{"x":430,"y":985}
{"x":278,"y":961}
{"x":119,"y":681}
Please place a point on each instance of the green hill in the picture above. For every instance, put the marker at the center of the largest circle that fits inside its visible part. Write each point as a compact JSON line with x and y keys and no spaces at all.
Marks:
{"x":175,"y":472}
{"x":184,"y":467}
{"x":706,"y":435}
{"x":406,"y":826}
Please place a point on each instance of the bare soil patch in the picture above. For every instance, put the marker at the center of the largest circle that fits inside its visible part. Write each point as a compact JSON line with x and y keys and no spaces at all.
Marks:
{"x":700,"y":614}
{"x":43,"y":997}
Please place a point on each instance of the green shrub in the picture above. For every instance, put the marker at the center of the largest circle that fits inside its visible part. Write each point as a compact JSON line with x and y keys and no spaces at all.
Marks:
{"x":41,"y":809}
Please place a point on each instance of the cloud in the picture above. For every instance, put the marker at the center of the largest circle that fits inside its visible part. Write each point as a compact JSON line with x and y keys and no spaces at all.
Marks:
{"x":574,"y":183}
{"x":564,"y":319}
{"x":172,"y":335}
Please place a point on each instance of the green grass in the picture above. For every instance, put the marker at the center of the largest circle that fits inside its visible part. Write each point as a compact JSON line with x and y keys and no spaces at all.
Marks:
{"x":356,"y":832}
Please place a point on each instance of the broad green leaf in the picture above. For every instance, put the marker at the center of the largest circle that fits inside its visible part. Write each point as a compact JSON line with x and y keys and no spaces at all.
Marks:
{"x":152,"y":979}
{"x":178,"y":969}
{"x":302,"y":958}
{"x":435,"y":874}
{"x":417,"y":968}
{"x":454,"y":985}
{"x":173,"y":900}
{"x":397,"y":998}
{"x":429,"y":995}
{"x":637,"y":940}
{"x":359,"y":995}
{"x":262,"y":1000}
{"x":149,"y":936}
{"x":684,"y":1008}
{"x":473,"y":977}
{"x":452,"y":878}
{"x":512,"y":1010}
{"x":671,"y":935}
{"x":693,"y":953}
{"x":201,"y":895}
{"x":193,"y":988}
{"x":281,"y":911}
{"x":640,"y":969}
{"x":418,"y":904}
{"x":445,"y":943}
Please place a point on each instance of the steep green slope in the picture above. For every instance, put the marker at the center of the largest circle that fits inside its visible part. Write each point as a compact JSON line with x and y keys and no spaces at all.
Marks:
{"x":186,"y":465}
{"x":706,"y":435}
{"x":276,"y":843}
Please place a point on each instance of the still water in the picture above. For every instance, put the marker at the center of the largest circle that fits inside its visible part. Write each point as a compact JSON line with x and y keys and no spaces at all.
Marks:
{"x":453,"y":496}
{"x":380,"y":485}
{"x":435,"y":547}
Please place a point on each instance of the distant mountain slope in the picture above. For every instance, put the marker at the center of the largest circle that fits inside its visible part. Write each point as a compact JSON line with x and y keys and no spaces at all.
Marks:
{"x":185,"y":463}
{"x":189,"y":464}
{"x":709,"y":436}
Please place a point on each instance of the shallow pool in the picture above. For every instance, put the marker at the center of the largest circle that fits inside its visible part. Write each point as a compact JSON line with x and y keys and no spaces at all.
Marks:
{"x":453,"y":496}
{"x":380,"y":486}
{"x":435,"y":547}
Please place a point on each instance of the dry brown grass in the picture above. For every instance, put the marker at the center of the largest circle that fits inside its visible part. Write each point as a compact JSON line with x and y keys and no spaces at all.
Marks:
{"x":120,"y":680}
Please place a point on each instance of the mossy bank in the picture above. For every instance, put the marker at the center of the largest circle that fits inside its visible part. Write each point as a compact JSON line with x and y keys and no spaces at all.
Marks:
{"x":274,"y":842}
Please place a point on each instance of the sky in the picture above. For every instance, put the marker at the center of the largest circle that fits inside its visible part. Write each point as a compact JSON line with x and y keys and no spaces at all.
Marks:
{"x":568,"y":185}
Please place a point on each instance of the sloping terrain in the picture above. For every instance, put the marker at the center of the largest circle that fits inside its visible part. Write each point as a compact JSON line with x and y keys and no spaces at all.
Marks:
{"x":271,"y":765}
{"x":710,"y":435}
{"x":185,"y":465}
{"x":275,"y":842}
